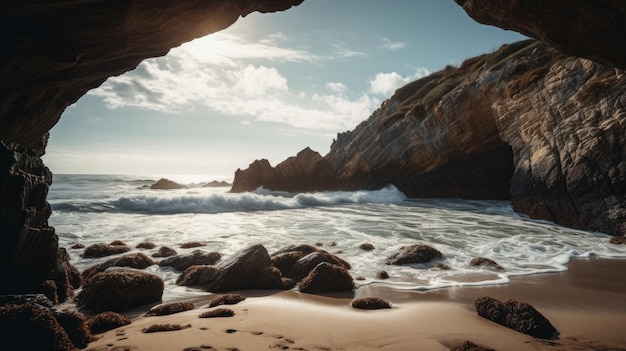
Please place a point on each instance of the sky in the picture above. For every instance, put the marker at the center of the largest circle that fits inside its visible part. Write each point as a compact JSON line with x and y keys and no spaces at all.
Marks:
{"x":266,"y":87}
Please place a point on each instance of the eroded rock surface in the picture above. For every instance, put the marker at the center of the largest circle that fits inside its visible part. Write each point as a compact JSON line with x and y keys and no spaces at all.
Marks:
{"x":591,"y":29}
{"x":524,"y":123}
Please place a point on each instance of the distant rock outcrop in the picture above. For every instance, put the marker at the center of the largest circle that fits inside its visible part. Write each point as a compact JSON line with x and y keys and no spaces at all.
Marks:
{"x":166,"y":184}
{"x":524,"y":123}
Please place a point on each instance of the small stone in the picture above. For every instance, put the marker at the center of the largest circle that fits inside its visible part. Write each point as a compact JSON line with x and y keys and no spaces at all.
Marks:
{"x":370,"y":303}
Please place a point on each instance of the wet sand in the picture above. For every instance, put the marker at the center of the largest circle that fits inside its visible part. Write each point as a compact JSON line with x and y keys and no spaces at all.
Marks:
{"x":586,"y":304}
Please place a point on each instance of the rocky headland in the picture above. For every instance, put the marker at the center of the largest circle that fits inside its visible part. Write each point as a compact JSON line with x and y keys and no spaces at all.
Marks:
{"x":525,"y":123}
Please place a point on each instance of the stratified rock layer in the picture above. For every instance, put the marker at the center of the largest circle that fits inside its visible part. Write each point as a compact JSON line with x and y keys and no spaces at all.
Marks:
{"x":591,"y":29}
{"x":525,"y":123}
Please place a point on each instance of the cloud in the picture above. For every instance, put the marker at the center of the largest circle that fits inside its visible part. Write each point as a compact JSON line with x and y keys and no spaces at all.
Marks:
{"x":336,"y":87}
{"x":259,"y":80}
{"x":387,"y":43}
{"x":387,"y":83}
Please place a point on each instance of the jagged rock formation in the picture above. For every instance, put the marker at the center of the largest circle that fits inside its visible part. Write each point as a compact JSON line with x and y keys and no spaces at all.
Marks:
{"x":525,"y":122}
{"x":52,"y":53}
{"x":590,"y":29}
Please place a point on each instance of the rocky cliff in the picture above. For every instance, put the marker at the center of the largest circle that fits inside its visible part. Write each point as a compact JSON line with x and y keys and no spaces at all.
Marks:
{"x":525,"y":122}
{"x":52,"y":53}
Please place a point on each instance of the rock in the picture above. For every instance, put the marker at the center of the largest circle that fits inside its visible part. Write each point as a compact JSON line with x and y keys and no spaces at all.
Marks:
{"x":216,"y":184}
{"x":227,"y":299}
{"x":165,"y":251}
{"x":249,"y":268}
{"x":75,"y":326}
{"x":326,"y":277}
{"x":574,"y":31}
{"x":303,"y":249}
{"x":485,"y":262}
{"x":166,"y":184}
{"x":470,"y":346}
{"x":78,"y":246}
{"x":119,"y":290}
{"x":516,"y":315}
{"x":366,"y":247}
{"x":546,"y":134}
{"x":106,"y":321}
{"x":170,"y":308}
{"x":146,"y":245}
{"x":382,"y":275}
{"x":134,"y":260}
{"x":32,"y":327}
{"x":118,"y":243}
{"x":103,"y":250}
{"x":65,"y":276}
{"x":191,"y":244}
{"x":442,"y":266}
{"x":370,"y":303}
{"x":155,"y":328}
{"x":284,"y":261}
{"x":218,"y":312}
{"x":414,"y":254}
{"x":618,"y":240}
{"x":37,"y":299}
{"x":303,"y":266}
{"x":196,"y":257}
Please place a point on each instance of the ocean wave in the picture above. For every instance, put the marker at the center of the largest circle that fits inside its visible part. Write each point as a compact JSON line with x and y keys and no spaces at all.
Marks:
{"x":254,"y":201}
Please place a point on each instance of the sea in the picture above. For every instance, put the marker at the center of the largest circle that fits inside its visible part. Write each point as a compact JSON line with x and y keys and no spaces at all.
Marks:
{"x":89,"y":209}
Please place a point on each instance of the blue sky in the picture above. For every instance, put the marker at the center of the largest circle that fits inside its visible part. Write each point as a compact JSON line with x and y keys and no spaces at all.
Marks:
{"x":266,"y":87}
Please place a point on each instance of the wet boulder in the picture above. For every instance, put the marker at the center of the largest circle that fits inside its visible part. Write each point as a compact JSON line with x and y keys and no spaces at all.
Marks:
{"x":196,"y":257}
{"x":32,"y":327}
{"x":370,"y":303}
{"x":414,"y":254}
{"x":284,"y":261}
{"x":106,"y":321}
{"x":165,"y":251}
{"x":119,"y":290}
{"x":326,"y":277}
{"x":103,"y":250}
{"x":304,"y":265}
{"x":516,"y":315}
{"x":134,"y":260}
{"x":486,"y":262}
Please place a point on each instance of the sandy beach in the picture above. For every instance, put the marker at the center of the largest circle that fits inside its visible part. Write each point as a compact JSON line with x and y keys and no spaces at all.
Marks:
{"x":585,"y":304}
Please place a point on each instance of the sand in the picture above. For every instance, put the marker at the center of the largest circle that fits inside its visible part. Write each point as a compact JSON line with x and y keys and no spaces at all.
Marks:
{"x":587,"y":305}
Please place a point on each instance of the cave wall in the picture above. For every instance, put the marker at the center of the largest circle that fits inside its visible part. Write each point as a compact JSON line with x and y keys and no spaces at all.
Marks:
{"x":51,"y":54}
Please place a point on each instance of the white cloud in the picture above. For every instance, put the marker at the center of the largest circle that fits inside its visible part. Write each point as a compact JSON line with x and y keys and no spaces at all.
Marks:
{"x":336,"y":87}
{"x":258,"y":81}
{"x":387,"y":83}
{"x":387,"y":43}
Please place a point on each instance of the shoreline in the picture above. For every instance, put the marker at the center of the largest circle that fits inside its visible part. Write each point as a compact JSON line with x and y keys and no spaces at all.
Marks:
{"x":585,"y":304}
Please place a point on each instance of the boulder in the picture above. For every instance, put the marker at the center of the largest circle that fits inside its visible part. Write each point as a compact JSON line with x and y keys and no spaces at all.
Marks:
{"x":146,"y":245}
{"x":196,"y":257}
{"x":249,"y":268}
{"x":366,"y":247}
{"x":618,"y":240}
{"x":103,"y":250}
{"x":191,"y":245}
{"x":120,"y":290}
{"x":165,"y":251}
{"x":414,"y":254}
{"x":370,"y":303}
{"x":516,"y":315}
{"x":485,"y":262}
{"x":75,"y":325}
{"x":32,"y":327}
{"x":170,"y":308}
{"x":326,"y":277}
{"x":133,"y":260}
{"x":304,"y":265}
{"x":284,"y":261}
{"x":227,"y":299}
{"x":105,"y":321}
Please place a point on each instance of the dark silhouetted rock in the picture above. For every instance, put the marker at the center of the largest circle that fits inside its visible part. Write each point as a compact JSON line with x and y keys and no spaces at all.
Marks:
{"x":118,"y":243}
{"x":133,"y":260}
{"x":382,"y":275}
{"x":39,"y":299}
{"x":75,"y":326}
{"x":119,"y":290}
{"x":32,"y":327}
{"x":485,"y":262}
{"x":326,"y":277}
{"x":66,"y":277}
{"x":303,"y":248}
{"x":170,"y":308}
{"x":516,"y":315}
{"x":442,"y":266}
{"x":288,"y":283}
{"x":196,"y":257}
{"x":165,"y":251}
{"x":470,"y":346}
{"x":303,"y":266}
{"x":103,"y":250}
{"x":78,"y":246}
{"x":249,"y":268}
{"x":216,"y":184}
{"x":146,"y":245}
{"x":414,"y":254}
{"x":106,"y":321}
{"x":366,"y":247}
{"x":166,"y":184}
{"x":370,"y":303}
{"x":560,"y":24}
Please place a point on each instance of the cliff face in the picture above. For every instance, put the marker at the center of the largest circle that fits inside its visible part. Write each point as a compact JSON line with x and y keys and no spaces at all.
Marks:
{"x":51,"y":54}
{"x":525,"y":123}
{"x":590,"y":29}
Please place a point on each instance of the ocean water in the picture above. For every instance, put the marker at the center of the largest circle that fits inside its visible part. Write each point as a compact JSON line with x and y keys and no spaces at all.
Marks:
{"x":90,"y":209}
